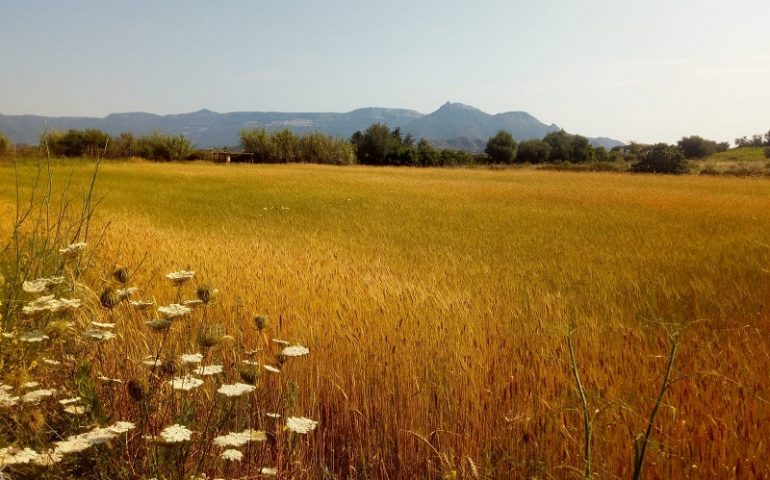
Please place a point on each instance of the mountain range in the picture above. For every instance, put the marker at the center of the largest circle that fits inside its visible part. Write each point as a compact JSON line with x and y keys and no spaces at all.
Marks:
{"x":453,"y":125}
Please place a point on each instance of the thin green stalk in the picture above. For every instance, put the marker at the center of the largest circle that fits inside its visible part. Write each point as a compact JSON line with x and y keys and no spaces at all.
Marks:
{"x":587,"y":424}
{"x":641,"y":446}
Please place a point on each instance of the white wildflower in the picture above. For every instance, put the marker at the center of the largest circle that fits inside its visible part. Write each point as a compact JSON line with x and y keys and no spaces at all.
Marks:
{"x":250,"y":362}
{"x":97,"y":436}
{"x":235,"y":389}
{"x":185,"y":383}
{"x":281,"y":342}
{"x":49,"y":361}
{"x":109,"y":380}
{"x":67,"y":401}
{"x":141,"y":304}
{"x":36,"y":395}
{"x":273,"y":415}
{"x":49,"y":304}
{"x":272,"y":369}
{"x":301,"y":424}
{"x":100,"y":335}
{"x":174,"y":310}
{"x":41,"y":284}
{"x":33,"y":336}
{"x":121,"y":427}
{"x":269,"y":471}
{"x":192,"y":303}
{"x":180,"y":277}
{"x":175,"y":434}
{"x":15,"y":456}
{"x":239,"y":439}
{"x":48,"y":458}
{"x":209,"y":370}
{"x":31,"y":385}
{"x":76,"y":409}
{"x":106,"y":326}
{"x":123,"y":293}
{"x":158,"y":324}
{"x":6,"y":399}
{"x":191,"y":358}
{"x":295,"y":351}
{"x":72,"y":250}
{"x":152,"y":362}
{"x":70,"y":303}
{"x":232,"y":455}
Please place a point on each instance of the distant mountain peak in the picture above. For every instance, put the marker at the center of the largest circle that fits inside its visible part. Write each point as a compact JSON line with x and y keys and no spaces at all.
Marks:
{"x":453,"y":124}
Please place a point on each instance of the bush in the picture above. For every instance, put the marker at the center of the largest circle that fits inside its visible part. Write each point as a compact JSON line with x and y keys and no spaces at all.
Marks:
{"x":662,"y":158}
{"x":4,"y":143}
{"x":159,"y":146}
{"x":767,"y":152}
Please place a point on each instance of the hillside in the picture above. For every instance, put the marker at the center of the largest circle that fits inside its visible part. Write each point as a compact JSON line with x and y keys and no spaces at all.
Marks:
{"x":454,"y":124}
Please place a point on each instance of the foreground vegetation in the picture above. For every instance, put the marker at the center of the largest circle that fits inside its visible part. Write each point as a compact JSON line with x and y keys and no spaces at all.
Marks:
{"x":437,"y":304}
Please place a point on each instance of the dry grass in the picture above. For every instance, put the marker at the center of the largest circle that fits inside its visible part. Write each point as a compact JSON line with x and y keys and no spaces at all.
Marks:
{"x":436,"y":303}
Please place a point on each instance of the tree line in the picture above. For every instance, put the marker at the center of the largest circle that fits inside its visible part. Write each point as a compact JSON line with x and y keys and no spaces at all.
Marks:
{"x":379,"y":145}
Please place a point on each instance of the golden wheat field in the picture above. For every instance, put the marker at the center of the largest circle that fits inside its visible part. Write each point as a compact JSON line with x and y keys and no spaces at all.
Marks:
{"x":436,"y":305}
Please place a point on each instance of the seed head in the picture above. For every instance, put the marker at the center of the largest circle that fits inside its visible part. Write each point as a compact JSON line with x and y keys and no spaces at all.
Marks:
{"x":109,"y":298}
{"x":120,"y":274}
{"x":136,"y":390}
{"x":210,"y":335}
{"x":249,"y":375}
{"x":260,"y":321}
{"x":206,"y":294}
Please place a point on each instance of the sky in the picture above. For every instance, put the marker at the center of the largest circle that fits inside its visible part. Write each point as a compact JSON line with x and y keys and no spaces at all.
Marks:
{"x":646,"y":71}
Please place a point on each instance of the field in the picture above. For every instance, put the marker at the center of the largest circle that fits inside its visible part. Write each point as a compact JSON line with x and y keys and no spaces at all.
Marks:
{"x":741,"y":162}
{"x":436,"y":304}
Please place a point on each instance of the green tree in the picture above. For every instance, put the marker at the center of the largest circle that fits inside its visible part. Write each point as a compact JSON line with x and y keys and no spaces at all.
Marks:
{"x":124,"y":145}
{"x":285,"y":146}
{"x":580,"y":149}
{"x":501,"y":148}
{"x":697,"y":147}
{"x":160,"y":146}
{"x":258,"y":142}
{"x":561,"y":146}
{"x":533,"y":151}
{"x":427,"y":154}
{"x":662,"y":158}
{"x":374,"y":145}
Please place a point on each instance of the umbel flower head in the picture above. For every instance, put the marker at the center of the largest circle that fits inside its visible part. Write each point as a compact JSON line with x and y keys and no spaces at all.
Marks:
{"x":301,"y":424}
{"x":295,"y":351}
{"x":175,"y":434}
{"x":41,"y":284}
{"x":181,"y":277}
{"x":186,"y":383}
{"x":232,"y":455}
{"x":239,"y":439}
{"x":235,"y":389}
{"x":173,"y":311}
{"x":72,"y":250}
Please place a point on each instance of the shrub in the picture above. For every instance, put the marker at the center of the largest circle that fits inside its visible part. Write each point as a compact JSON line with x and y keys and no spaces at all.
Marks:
{"x":767,"y":152}
{"x":4,"y":143}
{"x":662,"y":158}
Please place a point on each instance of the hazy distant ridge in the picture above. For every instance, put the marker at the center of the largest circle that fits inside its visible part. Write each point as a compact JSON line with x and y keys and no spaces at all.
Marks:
{"x":454,"y":124}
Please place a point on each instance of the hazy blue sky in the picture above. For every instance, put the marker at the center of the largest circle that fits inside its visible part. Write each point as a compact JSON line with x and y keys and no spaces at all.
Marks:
{"x":643,"y":70}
